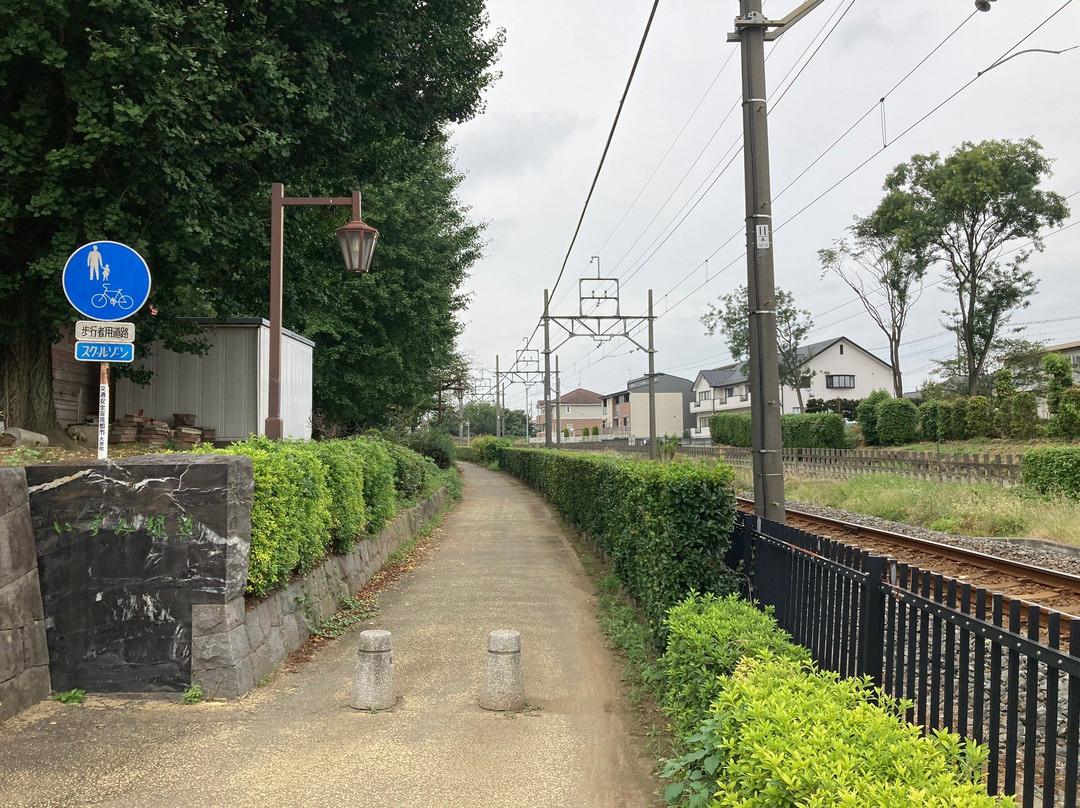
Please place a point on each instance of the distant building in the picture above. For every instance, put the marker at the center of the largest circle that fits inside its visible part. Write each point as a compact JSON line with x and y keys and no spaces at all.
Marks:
{"x":579,"y":410}
{"x":626,"y":412}
{"x":835,"y":368}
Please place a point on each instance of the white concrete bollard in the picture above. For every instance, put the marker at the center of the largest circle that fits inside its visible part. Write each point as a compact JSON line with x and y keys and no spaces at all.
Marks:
{"x":504,"y":687}
{"x":373,"y":684}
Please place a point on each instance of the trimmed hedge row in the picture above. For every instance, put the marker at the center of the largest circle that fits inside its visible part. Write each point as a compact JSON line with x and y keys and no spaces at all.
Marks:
{"x":666,"y":526}
{"x":1052,"y":470}
{"x":805,"y":431}
{"x":314,"y":497}
{"x":761,"y":727}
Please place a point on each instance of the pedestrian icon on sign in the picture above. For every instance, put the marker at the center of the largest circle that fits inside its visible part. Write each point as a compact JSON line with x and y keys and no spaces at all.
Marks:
{"x":93,"y":260}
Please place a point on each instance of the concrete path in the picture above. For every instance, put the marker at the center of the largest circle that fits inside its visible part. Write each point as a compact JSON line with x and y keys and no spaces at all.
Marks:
{"x":501,"y":561}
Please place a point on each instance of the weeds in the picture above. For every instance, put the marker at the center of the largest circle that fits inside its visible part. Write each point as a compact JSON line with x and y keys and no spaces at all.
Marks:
{"x":193,"y":695}
{"x":74,"y":696}
{"x":352,"y":612}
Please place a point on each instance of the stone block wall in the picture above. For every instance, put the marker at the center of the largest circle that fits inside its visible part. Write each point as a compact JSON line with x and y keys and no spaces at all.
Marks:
{"x":125,"y":550}
{"x":234,"y":646}
{"x":24,"y":656}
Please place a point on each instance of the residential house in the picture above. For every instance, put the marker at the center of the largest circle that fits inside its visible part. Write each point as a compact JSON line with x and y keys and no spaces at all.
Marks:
{"x":626,"y":412}
{"x":1070,"y":350}
{"x":835,"y":368}
{"x":579,"y":410}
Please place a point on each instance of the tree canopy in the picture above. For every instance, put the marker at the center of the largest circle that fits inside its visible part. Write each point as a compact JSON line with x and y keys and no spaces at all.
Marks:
{"x":162,"y":123}
{"x":972,"y":203}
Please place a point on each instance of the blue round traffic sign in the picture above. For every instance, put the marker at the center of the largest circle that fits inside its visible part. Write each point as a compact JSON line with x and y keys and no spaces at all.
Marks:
{"x":106,"y":280}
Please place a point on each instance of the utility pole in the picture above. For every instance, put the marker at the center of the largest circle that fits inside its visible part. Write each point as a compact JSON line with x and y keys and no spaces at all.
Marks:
{"x":498,"y":403}
{"x":558,"y":401}
{"x":547,"y":374}
{"x":652,"y":385}
{"x":751,"y":29}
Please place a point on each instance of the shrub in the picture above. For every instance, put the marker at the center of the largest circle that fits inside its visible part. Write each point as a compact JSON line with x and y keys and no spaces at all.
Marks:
{"x":410,"y":471}
{"x":379,"y":492}
{"x":783,"y":734}
{"x":1052,"y":470}
{"x":980,"y":421}
{"x":954,"y":419}
{"x":290,"y":512}
{"x":897,"y":421}
{"x":1024,"y":416}
{"x":484,"y":448}
{"x":730,"y":429}
{"x":345,"y":479}
{"x":1065,"y":423}
{"x":666,"y":526}
{"x":1059,"y":377}
{"x":866,"y":415}
{"x":432,"y":442}
{"x":813,"y":431}
{"x":596,"y":431}
{"x":930,"y":420}
{"x":707,"y":636}
{"x":1004,"y":392}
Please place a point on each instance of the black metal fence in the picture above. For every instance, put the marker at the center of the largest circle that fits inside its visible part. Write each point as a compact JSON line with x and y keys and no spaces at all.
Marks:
{"x":1001,"y":672}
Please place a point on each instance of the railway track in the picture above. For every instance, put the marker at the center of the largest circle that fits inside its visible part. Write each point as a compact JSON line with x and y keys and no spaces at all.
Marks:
{"x":1015,"y":580}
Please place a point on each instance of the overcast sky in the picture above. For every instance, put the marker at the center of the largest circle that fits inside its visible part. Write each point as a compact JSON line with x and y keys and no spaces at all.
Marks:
{"x":530,"y":157}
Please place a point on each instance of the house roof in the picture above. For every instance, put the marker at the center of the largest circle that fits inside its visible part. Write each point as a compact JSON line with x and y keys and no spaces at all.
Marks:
{"x":733,"y":373}
{"x":579,"y":396}
{"x":1062,"y":346}
{"x":808,"y":352}
{"x":726,"y":375}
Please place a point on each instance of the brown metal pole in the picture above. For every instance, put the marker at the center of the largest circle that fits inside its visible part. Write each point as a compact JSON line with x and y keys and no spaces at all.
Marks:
{"x":274,"y":428}
{"x":558,"y":405}
{"x":652,"y":384}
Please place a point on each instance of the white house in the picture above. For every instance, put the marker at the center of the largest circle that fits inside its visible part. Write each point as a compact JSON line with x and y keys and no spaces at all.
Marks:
{"x":835,"y":368}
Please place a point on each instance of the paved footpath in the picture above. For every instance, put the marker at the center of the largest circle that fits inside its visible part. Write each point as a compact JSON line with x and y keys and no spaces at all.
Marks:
{"x":501,"y":561}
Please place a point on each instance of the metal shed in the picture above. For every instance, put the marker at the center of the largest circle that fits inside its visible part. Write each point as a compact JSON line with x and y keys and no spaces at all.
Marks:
{"x":226,"y":388}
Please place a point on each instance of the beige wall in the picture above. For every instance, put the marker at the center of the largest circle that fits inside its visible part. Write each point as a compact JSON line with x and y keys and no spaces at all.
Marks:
{"x":669,"y":414}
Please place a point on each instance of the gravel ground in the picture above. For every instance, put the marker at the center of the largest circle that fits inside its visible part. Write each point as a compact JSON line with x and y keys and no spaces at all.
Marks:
{"x":1040,"y":553}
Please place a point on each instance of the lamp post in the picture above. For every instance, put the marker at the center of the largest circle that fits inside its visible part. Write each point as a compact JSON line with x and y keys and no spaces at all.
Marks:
{"x":357,"y":241}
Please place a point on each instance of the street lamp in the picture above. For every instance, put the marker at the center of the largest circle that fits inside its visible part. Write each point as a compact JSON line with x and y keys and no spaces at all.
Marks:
{"x":357,"y":241}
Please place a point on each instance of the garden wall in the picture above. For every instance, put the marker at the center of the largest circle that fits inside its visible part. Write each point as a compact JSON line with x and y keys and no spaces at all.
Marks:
{"x":24,"y":658}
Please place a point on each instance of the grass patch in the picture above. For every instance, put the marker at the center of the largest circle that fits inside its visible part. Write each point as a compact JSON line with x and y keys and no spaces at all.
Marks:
{"x":962,"y":509}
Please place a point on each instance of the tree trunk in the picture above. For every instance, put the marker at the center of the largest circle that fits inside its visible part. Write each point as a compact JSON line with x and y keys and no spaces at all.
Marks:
{"x":28,"y":386}
{"x":897,"y":377}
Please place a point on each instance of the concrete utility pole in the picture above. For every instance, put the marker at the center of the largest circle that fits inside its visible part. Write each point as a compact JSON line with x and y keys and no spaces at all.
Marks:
{"x":498,"y":403}
{"x":558,"y":402}
{"x":652,"y":385}
{"x":547,"y":374}
{"x":751,"y":29}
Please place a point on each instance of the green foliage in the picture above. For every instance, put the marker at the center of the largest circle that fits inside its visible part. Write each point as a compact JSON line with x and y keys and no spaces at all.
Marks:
{"x":785,"y":735}
{"x":813,"y":431}
{"x":897,"y":421}
{"x":290,"y":512}
{"x":350,"y":613}
{"x":730,"y":429}
{"x":930,"y":419}
{"x":193,"y":695}
{"x":845,"y":407}
{"x":1024,"y":416}
{"x":803,"y":431}
{"x":481,"y":417}
{"x":980,"y":420}
{"x":595,"y":431}
{"x":433,"y":442}
{"x":566,"y":432}
{"x":1004,"y":391}
{"x":1059,"y":377}
{"x":954,"y":419}
{"x":979,"y":198}
{"x":867,"y":416}
{"x":74,"y":696}
{"x":1052,"y":470}
{"x":345,"y":480}
{"x":707,"y":637}
{"x":1066,"y":423}
{"x":379,"y":492}
{"x":666,"y":526}
{"x":411,"y":471}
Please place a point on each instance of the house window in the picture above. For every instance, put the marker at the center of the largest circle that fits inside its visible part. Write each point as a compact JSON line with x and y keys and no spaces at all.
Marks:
{"x":729,"y":392}
{"x":841,"y":349}
{"x":704,"y":395}
{"x":567,"y":410}
{"x":796,"y":410}
{"x":703,"y":423}
{"x":1075,"y":358}
{"x":626,"y":421}
{"x":839,"y":382}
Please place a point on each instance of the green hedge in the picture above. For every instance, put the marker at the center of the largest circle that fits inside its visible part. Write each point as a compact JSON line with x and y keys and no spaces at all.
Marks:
{"x":1052,"y":470}
{"x":666,"y":526}
{"x":730,"y":429}
{"x":805,"y":431}
{"x":782,"y":733}
{"x":897,"y":421}
{"x":930,"y":420}
{"x":867,"y":415}
{"x":411,"y":471}
{"x":291,"y":514}
{"x":379,"y":492}
{"x":433,"y":442}
{"x":345,"y":478}
{"x":707,"y":636}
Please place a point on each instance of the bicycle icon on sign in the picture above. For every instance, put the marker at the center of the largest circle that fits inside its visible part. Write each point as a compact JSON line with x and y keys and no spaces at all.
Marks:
{"x":115,"y":297}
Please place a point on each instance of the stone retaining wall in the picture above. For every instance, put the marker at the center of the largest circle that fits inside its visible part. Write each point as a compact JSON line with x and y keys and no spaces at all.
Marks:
{"x":24,"y":655}
{"x":236,"y":644}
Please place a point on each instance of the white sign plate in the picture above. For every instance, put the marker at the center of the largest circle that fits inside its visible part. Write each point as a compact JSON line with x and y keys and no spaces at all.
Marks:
{"x":97,"y":331}
{"x":763,"y":237}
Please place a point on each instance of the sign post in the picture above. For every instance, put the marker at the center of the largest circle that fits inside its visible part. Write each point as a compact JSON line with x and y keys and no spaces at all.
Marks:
{"x":105,"y":281}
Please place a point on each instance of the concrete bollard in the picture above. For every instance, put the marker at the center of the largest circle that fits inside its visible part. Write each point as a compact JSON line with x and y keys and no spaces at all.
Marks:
{"x":504,"y":687}
{"x":373,"y":684}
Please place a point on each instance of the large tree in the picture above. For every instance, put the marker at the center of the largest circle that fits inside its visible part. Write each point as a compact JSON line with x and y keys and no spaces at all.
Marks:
{"x":884,"y":266}
{"x":974,"y":202}
{"x":732,"y":319}
{"x":162,"y":123}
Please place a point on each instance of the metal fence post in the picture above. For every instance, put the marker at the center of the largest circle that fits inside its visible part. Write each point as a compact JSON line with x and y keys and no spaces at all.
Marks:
{"x":872,"y":620}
